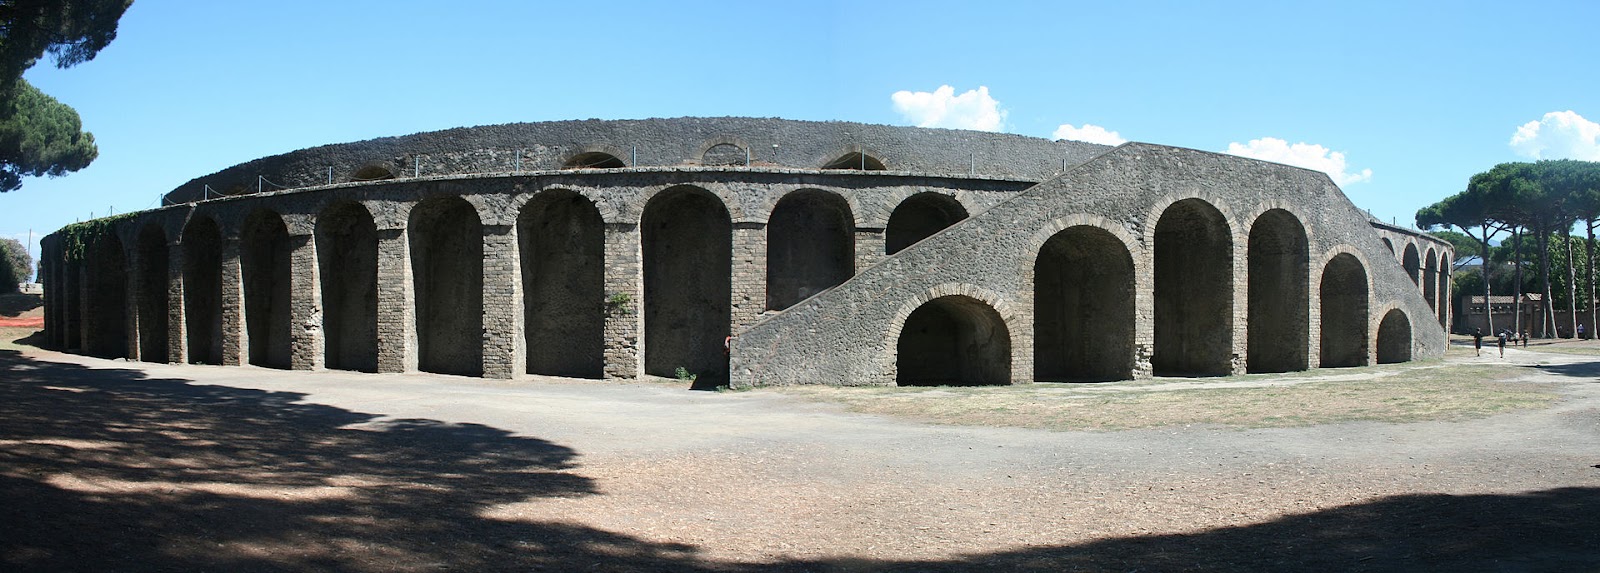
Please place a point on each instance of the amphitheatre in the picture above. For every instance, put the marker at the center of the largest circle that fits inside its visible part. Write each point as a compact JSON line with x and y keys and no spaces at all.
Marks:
{"x":751,"y":252}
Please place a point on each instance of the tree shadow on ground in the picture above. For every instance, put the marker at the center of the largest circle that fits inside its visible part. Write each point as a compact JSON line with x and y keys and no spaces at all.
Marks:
{"x":12,"y":305}
{"x":1589,"y":371}
{"x":106,"y":470}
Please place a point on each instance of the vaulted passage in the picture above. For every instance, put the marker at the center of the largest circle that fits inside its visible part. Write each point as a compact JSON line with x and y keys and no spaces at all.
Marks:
{"x":202,"y":290}
{"x":810,"y":246}
{"x":1193,"y":292}
{"x":688,"y":254}
{"x":152,"y":295}
{"x":562,"y":242}
{"x":264,"y":262}
{"x":953,"y":341}
{"x":1344,"y":313}
{"x":446,"y":240}
{"x":73,"y":287}
{"x":1443,"y":308}
{"x":1430,"y":280}
{"x":1394,"y":338}
{"x":347,"y":261}
{"x":1083,"y":308}
{"x":919,"y":217}
{"x":1280,"y":306}
{"x":108,"y":298}
{"x":1412,"y":263}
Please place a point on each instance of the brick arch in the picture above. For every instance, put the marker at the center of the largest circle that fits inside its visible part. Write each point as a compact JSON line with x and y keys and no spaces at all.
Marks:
{"x":152,"y":247}
{"x":1394,"y":335}
{"x":609,"y":213}
{"x":567,"y":156}
{"x":1102,"y":343}
{"x":888,"y":354}
{"x":722,"y":139}
{"x":1341,"y":353}
{"x":1411,"y":261}
{"x":265,"y":274}
{"x":1194,"y":293}
{"x":346,"y":241}
{"x":811,"y":246}
{"x":915,"y":226}
{"x":1277,"y":283}
{"x":729,"y":199}
{"x":201,"y":243}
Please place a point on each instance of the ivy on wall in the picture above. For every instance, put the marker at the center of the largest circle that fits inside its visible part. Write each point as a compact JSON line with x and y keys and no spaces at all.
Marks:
{"x":77,"y":237}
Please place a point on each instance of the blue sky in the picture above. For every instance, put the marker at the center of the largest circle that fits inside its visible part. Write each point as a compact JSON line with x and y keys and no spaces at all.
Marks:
{"x":1401,"y":102}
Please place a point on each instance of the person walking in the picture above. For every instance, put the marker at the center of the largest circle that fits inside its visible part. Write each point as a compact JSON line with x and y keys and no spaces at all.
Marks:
{"x":1502,"y":342}
{"x":1477,"y":342}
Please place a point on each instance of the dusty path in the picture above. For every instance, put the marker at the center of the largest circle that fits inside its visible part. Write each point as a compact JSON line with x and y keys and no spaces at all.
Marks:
{"x":112,"y":465}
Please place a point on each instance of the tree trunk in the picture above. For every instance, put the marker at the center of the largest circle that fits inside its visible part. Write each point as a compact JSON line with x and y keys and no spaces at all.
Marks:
{"x":1516,"y":281}
{"x":1483,"y":253}
{"x":1549,"y":317}
{"x":1590,"y":272}
{"x":1572,"y":284}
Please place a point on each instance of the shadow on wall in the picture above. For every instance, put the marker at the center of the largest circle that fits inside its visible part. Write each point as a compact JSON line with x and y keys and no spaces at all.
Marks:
{"x":166,"y":475}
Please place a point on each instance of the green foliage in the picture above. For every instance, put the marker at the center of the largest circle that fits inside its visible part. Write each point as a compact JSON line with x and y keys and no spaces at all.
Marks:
{"x":686,"y":376}
{"x":1460,"y":242}
{"x":77,"y":238}
{"x":16,"y":265}
{"x":40,"y":136}
{"x":619,"y":304}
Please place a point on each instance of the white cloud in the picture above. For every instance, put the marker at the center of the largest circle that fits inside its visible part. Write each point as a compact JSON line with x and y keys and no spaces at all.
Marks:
{"x":1307,"y":155}
{"x":1559,"y":135}
{"x":1090,"y":133}
{"x":973,"y":109}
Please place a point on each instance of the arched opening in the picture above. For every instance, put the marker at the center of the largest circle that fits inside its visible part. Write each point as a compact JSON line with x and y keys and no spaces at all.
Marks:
{"x":202,"y":290}
{"x":811,"y":246}
{"x":264,"y":262}
{"x":1193,"y":291}
{"x":72,"y":285}
{"x":688,"y":258}
{"x":1430,"y":280}
{"x":953,"y":341}
{"x":1413,"y":264}
{"x":1442,"y":309}
{"x":446,"y":240}
{"x":857,"y":161}
{"x":1394,"y":338}
{"x":1280,"y":306}
{"x":373,"y":172}
{"x":347,"y":261}
{"x":1344,"y":312}
{"x":152,"y":295}
{"x":108,"y":298}
{"x":725,"y":154}
{"x":594,"y":160}
{"x":1083,"y":308}
{"x":1389,"y":244}
{"x":919,"y":217}
{"x":561,"y":238}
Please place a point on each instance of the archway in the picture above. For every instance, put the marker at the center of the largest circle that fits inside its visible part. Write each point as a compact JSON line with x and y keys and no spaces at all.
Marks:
{"x":108,"y":298}
{"x":152,"y":295}
{"x":1430,"y":280}
{"x":347,"y":261}
{"x":688,"y":258}
{"x":1394,"y":338}
{"x":446,"y":240}
{"x":1388,"y":244}
{"x":953,"y":340}
{"x":264,"y":263}
{"x":810,"y":246}
{"x":594,"y":160}
{"x":561,"y":238}
{"x":725,"y":154}
{"x":1413,"y":264}
{"x":202,"y":290}
{"x":857,"y":161}
{"x":1442,"y":309}
{"x":1343,"y":296}
{"x":1280,"y":306}
{"x":1083,"y":320}
{"x":1193,"y":291}
{"x":919,"y":217}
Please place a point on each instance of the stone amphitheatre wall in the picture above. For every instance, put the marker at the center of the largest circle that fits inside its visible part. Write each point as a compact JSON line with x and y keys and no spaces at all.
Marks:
{"x":820,"y":272}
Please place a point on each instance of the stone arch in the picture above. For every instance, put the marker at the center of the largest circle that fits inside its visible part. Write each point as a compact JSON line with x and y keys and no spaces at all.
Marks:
{"x":1193,"y":291}
{"x":953,"y":340}
{"x":151,"y":246}
{"x":374,"y":171}
{"x":1394,"y":337}
{"x":1343,"y":297}
{"x":446,"y":241}
{"x":1443,"y":289}
{"x":687,"y":240}
{"x":1430,"y":279}
{"x":561,"y":241}
{"x":725,"y":154}
{"x":919,"y":217}
{"x":1412,"y":263}
{"x":1389,"y":244}
{"x":264,"y":266}
{"x":593,"y":160}
{"x":1279,"y":309}
{"x":856,"y":160}
{"x":107,"y":303}
{"x":811,"y":246}
{"x":730,"y":202}
{"x":202,"y":290}
{"x":1083,"y":307}
{"x":347,"y":258}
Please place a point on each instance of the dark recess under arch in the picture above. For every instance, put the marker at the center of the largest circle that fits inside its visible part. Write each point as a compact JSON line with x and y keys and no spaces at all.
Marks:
{"x":561,"y":239}
{"x":919,"y":217}
{"x":1083,"y":320}
{"x":953,"y":340}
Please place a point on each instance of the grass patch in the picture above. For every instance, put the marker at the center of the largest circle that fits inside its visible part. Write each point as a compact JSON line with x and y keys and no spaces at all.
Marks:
{"x":9,"y":337}
{"x":1401,"y":393}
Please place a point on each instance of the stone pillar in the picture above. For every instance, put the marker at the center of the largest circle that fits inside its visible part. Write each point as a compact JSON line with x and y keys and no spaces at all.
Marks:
{"x":749,"y":288}
{"x":504,"y":346}
{"x":869,"y":247}
{"x":177,"y":339}
{"x":397,"y":323}
{"x":235,"y":339}
{"x":305,"y":305}
{"x":624,"y":308}
{"x":1241,"y":306}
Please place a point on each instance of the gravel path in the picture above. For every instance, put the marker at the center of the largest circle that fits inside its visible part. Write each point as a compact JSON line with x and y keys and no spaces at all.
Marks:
{"x":110,"y":465}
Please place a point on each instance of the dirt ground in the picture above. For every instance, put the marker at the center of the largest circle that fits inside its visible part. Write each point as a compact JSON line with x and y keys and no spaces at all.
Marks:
{"x":118,"y":466}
